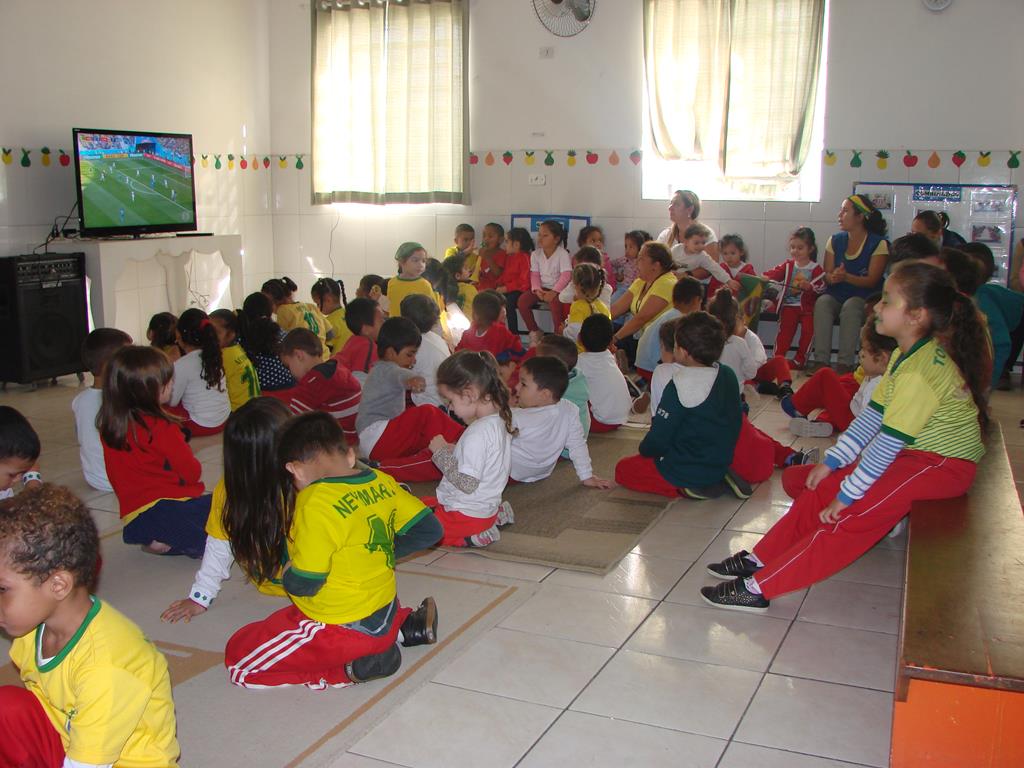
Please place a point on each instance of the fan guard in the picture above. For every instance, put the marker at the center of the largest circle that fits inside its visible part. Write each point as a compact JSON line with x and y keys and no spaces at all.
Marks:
{"x":564,"y":18}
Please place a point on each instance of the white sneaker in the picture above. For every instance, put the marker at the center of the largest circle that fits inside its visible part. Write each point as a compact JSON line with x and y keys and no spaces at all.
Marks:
{"x":806,"y":428}
{"x":898,"y":529}
{"x":484,"y":538}
{"x":505,"y":515}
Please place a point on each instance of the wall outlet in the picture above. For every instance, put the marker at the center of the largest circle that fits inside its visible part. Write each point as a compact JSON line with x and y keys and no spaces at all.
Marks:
{"x":537,"y":180}
{"x":547,"y":52}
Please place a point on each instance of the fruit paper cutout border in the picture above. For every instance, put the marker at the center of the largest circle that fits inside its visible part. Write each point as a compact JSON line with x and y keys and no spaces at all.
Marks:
{"x":574,"y":158}
{"x":910,"y":159}
{"x":220,"y":161}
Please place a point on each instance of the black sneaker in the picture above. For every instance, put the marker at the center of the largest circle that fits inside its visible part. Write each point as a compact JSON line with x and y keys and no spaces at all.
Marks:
{"x":704,"y":492}
{"x":740,"y":488}
{"x":420,"y":627}
{"x":377,"y":665}
{"x":738,"y":565}
{"x":768,"y":388}
{"x":734,"y":596}
{"x":785,"y":390}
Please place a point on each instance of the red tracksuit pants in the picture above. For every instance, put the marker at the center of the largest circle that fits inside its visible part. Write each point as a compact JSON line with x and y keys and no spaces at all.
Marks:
{"x":800,"y":550}
{"x":775,"y":369}
{"x":827,"y":389}
{"x":27,"y":737}
{"x":789,"y":318}
{"x":457,"y":526}
{"x":528,"y":300}
{"x":289,"y":648}
{"x":402,"y":450}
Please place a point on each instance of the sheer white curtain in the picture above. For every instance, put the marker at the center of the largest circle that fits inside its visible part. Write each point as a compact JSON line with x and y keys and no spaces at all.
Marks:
{"x":734,"y":82}
{"x":389,"y":96}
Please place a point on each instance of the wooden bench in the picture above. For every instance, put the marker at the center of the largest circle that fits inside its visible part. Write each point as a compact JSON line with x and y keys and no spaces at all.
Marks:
{"x":960,"y":672}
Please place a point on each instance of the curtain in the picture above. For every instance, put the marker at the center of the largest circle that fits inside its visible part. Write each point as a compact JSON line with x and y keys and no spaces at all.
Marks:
{"x":734,"y":82}
{"x":389,"y":96}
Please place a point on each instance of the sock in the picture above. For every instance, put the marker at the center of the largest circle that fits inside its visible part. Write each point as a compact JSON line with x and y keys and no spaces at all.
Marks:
{"x":788,"y":408}
{"x":751,"y":584}
{"x":754,"y":559}
{"x":793,"y":458}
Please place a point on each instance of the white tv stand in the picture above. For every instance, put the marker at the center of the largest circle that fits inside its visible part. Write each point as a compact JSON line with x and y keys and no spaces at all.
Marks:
{"x":131,"y":280}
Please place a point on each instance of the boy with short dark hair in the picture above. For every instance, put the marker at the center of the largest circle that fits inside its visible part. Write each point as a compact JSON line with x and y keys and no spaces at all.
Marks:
{"x":548,"y":425}
{"x":19,"y":452}
{"x":322,"y":386}
{"x":465,"y":242}
{"x":364,"y":318}
{"x":396,"y":438}
{"x":434,"y":350}
{"x":687,"y":295}
{"x":487,"y":333}
{"x":609,"y":395}
{"x":577,"y":392}
{"x":98,"y":347}
{"x":96,"y":690}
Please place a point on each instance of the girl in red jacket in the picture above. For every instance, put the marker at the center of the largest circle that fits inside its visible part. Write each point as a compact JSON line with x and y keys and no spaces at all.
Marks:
{"x":515,"y":278}
{"x":801,"y":280}
{"x":150,"y":466}
{"x":735,"y":261}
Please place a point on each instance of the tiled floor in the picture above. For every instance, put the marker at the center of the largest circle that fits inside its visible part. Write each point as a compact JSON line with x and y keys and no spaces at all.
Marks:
{"x":556,"y":668}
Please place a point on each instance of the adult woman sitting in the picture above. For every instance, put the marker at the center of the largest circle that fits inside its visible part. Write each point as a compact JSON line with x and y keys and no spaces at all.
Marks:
{"x":683,"y":210}
{"x":855,"y":261}
{"x":648,"y":296}
{"x":935,"y":225}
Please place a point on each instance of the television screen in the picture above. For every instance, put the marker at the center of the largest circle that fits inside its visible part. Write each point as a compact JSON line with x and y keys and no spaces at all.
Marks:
{"x":132,"y":183}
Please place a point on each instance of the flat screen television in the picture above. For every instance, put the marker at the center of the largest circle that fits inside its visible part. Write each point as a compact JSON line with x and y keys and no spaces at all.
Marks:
{"x":134,"y":182}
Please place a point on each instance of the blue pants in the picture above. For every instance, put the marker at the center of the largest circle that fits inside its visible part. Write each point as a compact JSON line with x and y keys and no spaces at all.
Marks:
{"x":180,"y":524}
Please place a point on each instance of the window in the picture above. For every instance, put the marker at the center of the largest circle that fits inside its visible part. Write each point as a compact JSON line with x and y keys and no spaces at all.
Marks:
{"x":734,"y":98}
{"x":389,"y":96}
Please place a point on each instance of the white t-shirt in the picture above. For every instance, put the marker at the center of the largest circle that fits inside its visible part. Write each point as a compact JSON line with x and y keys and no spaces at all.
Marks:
{"x":863,"y":394}
{"x":432,"y":352}
{"x":688,"y":262}
{"x":568,"y":295}
{"x":543,"y":433}
{"x":550,"y":267}
{"x":745,"y":356}
{"x":667,"y":232}
{"x":207,"y":406}
{"x":485,"y":452}
{"x":90,"y":451}
{"x":609,"y":395}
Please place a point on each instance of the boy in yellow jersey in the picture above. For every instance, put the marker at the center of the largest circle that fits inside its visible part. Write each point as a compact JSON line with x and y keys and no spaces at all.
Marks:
{"x":465,"y":245}
{"x":239,"y":373}
{"x":97,"y":692}
{"x":345,"y":618}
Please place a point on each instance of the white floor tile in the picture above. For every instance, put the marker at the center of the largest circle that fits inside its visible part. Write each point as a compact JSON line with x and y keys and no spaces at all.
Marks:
{"x":838,"y":655}
{"x":675,"y":538}
{"x":651,"y":577}
{"x":578,"y":739}
{"x":849,"y":604}
{"x":748,"y":756}
{"x":670,"y":693}
{"x":533,"y":668}
{"x":816,"y":718}
{"x":444,"y":727}
{"x":580,"y":614}
{"x":881,"y":566}
{"x":468,"y":562}
{"x":701,"y":633}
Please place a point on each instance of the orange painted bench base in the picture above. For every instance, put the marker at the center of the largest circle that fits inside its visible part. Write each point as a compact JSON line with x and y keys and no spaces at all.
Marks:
{"x":943,"y":725}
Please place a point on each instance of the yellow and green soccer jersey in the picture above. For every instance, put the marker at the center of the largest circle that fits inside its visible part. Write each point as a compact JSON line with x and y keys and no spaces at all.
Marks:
{"x":467,"y":292}
{"x":107,"y":693}
{"x":240,"y":376}
{"x":304,"y":315}
{"x":924,"y":402}
{"x":336,"y":320}
{"x":343,"y":533}
{"x":580,"y":310}
{"x":215,"y":528}
{"x":400,"y":287}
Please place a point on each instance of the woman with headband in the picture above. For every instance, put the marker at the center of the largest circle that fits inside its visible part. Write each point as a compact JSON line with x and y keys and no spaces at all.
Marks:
{"x":855,"y":261}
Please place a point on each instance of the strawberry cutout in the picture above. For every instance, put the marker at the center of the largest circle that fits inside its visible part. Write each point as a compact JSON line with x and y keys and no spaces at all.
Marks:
{"x":1013,"y":162}
{"x":549,"y":157}
{"x":216,"y":162}
{"x":282,"y":161}
{"x":570,"y":158}
{"x":473,"y":159}
{"x":243,"y":163}
{"x":592,"y":157}
{"x":959,"y":158}
{"x":506,"y":157}
{"x":45,"y":152}
{"x":266,"y":161}
{"x":934,"y":161}
{"x":830,"y":157}
{"x":910,"y":159}
{"x":205,"y":162}
{"x":883,"y":159}
{"x":25,"y":162}
{"x":529,"y":158}
{"x":64,"y":158}
{"x":489,"y":159}
{"x":984,"y":159}
{"x":613,"y":158}
{"x":636,"y":155}
{"x":855,"y":161}
{"x":298,"y":163}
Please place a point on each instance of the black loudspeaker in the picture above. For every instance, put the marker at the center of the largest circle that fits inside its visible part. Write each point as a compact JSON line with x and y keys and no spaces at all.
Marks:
{"x":42,"y":316}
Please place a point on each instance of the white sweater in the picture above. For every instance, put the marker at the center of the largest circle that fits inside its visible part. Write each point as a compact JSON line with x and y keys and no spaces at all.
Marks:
{"x":207,"y":406}
{"x":543,"y":433}
{"x":90,"y":451}
{"x":744,"y":355}
{"x":432,"y":352}
{"x":609,"y":395}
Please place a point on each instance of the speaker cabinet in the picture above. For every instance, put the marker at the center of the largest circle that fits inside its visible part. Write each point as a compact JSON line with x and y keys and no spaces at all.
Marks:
{"x":43,"y":316}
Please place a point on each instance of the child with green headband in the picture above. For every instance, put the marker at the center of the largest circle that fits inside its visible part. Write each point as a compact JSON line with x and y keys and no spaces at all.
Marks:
{"x":412,"y":260}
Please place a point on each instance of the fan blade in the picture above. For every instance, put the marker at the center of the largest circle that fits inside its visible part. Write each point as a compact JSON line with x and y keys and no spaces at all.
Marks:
{"x":581,"y":9}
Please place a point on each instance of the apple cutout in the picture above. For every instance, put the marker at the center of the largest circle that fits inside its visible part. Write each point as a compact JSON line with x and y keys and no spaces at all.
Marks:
{"x":243,"y":163}
{"x":592,"y":157}
{"x":910,"y":159}
{"x":959,"y":158}
{"x":473,"y":159}
{"x":64,"y":158}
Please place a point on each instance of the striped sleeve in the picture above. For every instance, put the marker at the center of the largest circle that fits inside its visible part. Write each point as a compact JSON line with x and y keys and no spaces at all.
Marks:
{"x":874,"y":461}
{"x":855,"y":439}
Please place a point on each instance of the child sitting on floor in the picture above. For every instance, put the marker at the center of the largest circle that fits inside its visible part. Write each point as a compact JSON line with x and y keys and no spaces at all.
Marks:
{"x":491,"y":263}
{"x":687,"y":295}
{"x":199,"y":395}
{"x":455,"y":266}
{"x":339,"y":574}
{"x":609,"y":395}
{"x":547,"y":425}
{"x":153,"y":472}
{"x":329,"y":296}
{"x":99,"y":346}
{"x":96,"y":689}
{"x":19,"y":452}
{"x":364,"y":318}
{"x":433,"y":351}
{"x":487,"y":333}
{"x":294,"y":314}
{"x":475,"y":469}
{"x":577,"y":393}
{"x":412,"y":263}
{"x":588,"y":254}
{"x":328,"y":387}
{"x":393,"y":436}
{"x":842,"y":397}
{"x":588,"y":284}
{"x":240,"y":375}
{"x":162,"y":333}
{"x":260,"y":337}
{"x":697,"y":422}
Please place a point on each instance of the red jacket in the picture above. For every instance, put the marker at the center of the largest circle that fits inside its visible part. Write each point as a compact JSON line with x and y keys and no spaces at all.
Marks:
{"x":516,"y":276}
{"x":328,"y":387}
{"x":743,"y":269}
{"x":784,"y":274}
{"x":358,"y":354}
{"x":157,"y":464}
{"x":487,"y":281}
{"x":498,"y":340}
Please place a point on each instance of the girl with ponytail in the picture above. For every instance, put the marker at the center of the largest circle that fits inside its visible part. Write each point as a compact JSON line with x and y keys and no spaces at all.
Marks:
{"x":919,"y":439}
{"x":199,"y":396}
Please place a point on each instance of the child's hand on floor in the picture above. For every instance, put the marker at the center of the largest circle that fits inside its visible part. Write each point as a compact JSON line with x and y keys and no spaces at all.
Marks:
{"x":182,"y":609}
{"x":832,"y":512}
{"x":416,"y":384}
{"x":438,"y":443}
{"x":597,"y":482}
{"x":816,"y":475}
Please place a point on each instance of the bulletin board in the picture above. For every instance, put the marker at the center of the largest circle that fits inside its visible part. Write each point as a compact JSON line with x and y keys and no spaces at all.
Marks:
{"x":981,"y":213}
{"x":531,"y":223}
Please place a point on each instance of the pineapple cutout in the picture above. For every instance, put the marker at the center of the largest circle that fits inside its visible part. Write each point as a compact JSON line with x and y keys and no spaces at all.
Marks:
{"x":830,"y":157}
{"x":934,"y":161}
{"x":529,"y":158}
{"x":25,"y":161}
{"x":205,"y":161}
{"x":882,"y":161}
{"x":298,"y":163}
{"x":282,"y":161}
{"x":570,"y":158}
{"x":613,"y":158}
{"x":231,"y":162}
{"x":549,"y":157}
{"x":45,"y":152}
{"x":855,"y":161}
{"x":489,"y":158}
{"x":216,"y":162}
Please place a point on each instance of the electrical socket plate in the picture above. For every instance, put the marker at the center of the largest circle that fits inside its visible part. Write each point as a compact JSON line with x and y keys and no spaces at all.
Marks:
{"x":537,"y":180}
